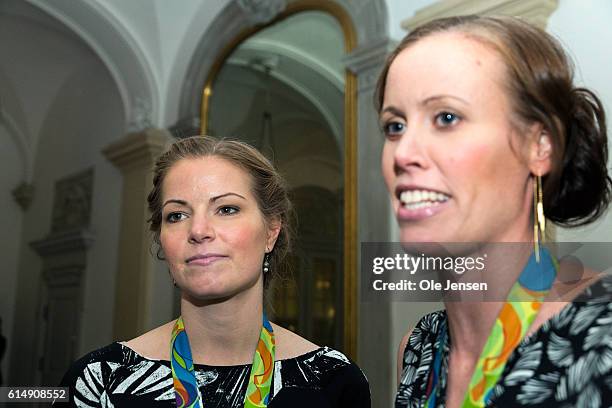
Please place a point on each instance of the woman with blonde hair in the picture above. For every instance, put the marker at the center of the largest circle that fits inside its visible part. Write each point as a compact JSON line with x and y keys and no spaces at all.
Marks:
{"x":221,"y":216}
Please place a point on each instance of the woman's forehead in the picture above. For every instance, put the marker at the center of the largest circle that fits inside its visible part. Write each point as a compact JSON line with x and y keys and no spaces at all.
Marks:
{"x":446,"y":62}
{"x":208,"y":174}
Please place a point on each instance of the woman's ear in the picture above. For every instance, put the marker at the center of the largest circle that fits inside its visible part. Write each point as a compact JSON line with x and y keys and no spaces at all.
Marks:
{"x":274,"y":229}
{"x":540,"y":150}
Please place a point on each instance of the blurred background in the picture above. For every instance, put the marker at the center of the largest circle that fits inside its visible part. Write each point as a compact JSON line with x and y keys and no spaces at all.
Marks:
{"x":91,"y":91}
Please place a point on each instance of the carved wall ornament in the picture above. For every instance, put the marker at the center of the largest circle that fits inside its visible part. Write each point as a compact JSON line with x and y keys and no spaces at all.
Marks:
{"x":262,"y":11}
{"x":24,"y":194}
{"x":72,"y":202}
{"x":141,"y":115}
{"x":367,"y":61}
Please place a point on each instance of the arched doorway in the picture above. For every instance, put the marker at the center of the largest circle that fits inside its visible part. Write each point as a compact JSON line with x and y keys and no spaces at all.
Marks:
{"x":282,"y":87}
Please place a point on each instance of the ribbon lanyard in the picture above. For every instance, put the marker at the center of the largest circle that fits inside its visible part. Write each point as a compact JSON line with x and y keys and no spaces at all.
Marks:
{"x":517,"y":315}
{"x":183,"y":373}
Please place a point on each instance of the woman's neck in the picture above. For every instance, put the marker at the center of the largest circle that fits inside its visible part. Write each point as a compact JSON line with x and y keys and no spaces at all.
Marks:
{"x":470,"y":322}
{"x":224,"y":332}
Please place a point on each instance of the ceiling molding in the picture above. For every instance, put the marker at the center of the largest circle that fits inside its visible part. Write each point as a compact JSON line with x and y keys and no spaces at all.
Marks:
{"x":534,"y":11}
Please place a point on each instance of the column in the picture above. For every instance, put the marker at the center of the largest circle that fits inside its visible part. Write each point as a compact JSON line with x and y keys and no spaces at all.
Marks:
{"x":134,"y":155}
{"x":374,"y":213}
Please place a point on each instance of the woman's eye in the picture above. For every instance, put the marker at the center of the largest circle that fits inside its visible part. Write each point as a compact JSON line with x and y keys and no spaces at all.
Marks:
{"x":446,"y":119}
{"x":175,"y":217}
{"x":393,"y":129}
{"x":228,"y":210}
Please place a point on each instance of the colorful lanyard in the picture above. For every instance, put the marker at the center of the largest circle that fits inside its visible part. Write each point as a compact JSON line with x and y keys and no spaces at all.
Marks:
{"x":183,"y":374}
{"x":511,"y":325}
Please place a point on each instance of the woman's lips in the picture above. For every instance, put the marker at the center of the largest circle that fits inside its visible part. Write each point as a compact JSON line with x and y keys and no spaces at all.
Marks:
{"x":205,"y":260}
{"x":405,"y":213}
{"x":418,"y":203}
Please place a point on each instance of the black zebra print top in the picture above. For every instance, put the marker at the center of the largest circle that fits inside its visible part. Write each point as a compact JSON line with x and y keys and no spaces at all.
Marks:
{"x":567,"y":362}
{"x":116,"y":376}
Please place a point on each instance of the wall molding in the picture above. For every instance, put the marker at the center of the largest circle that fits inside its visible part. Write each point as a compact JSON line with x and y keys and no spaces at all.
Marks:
{"x":367,"y":61}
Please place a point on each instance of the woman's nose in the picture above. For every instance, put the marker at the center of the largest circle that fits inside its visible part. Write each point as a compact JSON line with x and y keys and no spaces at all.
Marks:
{"x":409,"y":152}
{"x":201,"y":229}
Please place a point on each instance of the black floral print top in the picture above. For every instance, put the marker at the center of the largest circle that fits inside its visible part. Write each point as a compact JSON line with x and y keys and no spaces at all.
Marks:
{"x":567,"y":362}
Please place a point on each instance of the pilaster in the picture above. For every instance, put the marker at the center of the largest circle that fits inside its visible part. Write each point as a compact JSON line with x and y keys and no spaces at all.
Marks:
{"x":134,"y":155}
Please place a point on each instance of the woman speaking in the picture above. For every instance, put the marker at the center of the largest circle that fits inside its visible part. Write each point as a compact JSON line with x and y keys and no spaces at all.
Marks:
{"x":487,"y":138}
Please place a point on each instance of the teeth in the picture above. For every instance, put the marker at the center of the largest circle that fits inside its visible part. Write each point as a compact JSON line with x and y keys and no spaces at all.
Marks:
{"x":415,"y":199}
{"x":422,"y":204}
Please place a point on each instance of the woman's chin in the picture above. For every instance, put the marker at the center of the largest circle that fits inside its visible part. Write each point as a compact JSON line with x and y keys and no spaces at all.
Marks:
{"x":426,"y":241}
{"x":216,"y":291}
{"x":207,"y":292}
{"x":204,"y":297}
{"x":414,"y":235}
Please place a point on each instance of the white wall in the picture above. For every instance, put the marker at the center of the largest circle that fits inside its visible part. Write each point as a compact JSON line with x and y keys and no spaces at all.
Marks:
{"x":85,"y":117}
{"x":103,"y":122}
{"x":585,"y":31}
{"x":399,"y":10}
{"x":72,"y":121}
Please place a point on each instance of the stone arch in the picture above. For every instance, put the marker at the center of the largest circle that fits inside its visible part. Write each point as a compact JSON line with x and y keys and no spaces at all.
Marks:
{"x":369,"y":20}
{"x":119,"y":51}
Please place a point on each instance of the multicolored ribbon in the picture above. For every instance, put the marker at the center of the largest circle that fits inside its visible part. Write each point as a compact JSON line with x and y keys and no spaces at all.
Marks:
{"x":260,"y":379}
{"x":183,"y":373}
{"x":517,"y":315}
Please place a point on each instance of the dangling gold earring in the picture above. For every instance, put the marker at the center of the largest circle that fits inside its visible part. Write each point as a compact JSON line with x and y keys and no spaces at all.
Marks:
{"x":539,"y":221}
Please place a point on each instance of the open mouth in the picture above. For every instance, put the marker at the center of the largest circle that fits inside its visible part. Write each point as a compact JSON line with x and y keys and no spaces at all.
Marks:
{"x":421,"y":199}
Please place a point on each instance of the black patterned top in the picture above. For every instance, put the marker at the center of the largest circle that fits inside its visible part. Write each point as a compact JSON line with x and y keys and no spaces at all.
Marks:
{"x":567,"y":362}
{"x":116,"y":376}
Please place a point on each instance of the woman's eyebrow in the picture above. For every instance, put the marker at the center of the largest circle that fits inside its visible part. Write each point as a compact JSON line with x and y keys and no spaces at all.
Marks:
{"x":437,"y":98}
{"x":175,"y":201}
{"x":215,"y":198}
{"x":393,"y":110}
